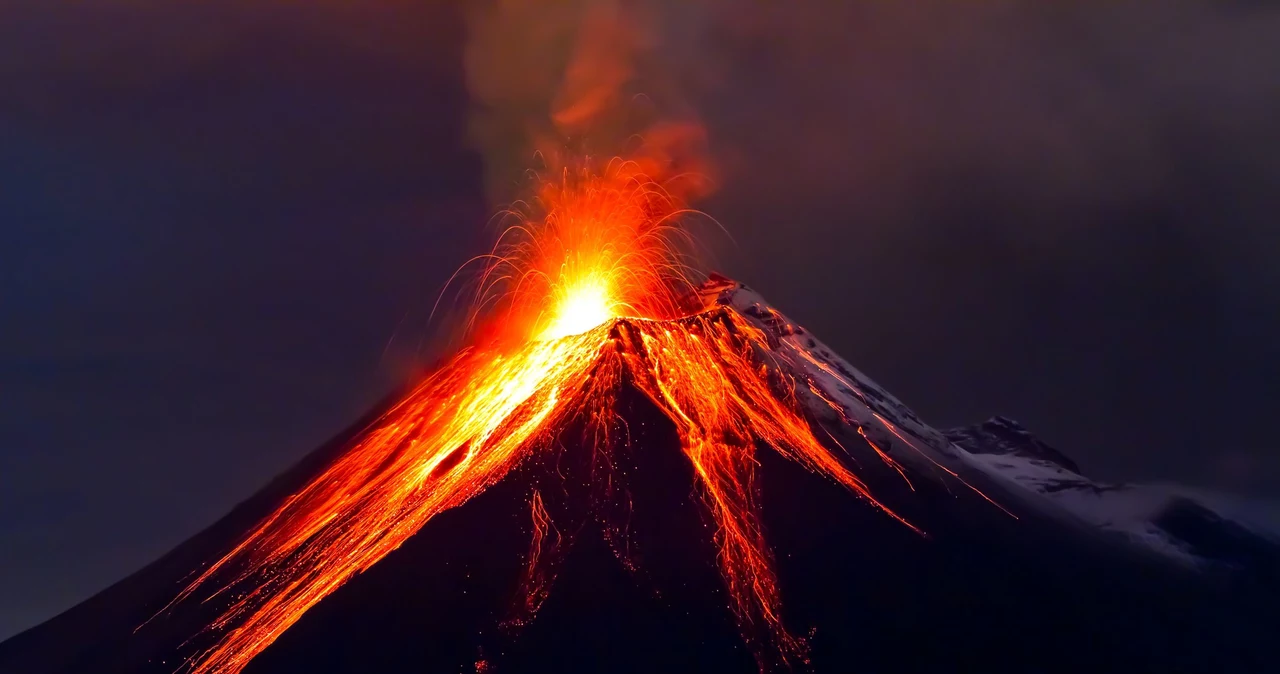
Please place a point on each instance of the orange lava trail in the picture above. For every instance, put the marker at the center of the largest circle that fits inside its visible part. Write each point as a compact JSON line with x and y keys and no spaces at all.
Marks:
{"x":844,"y":416}
{"x":702,"y":372}
{"x":838,"y":376}
{"x":536,"y":584}
{"x":885,"y":457}
{"x":893,"y":429}
{"x":457,"y":434}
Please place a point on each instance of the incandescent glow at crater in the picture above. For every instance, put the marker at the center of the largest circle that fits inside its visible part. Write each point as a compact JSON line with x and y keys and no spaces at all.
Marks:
{"x":582,"y":305}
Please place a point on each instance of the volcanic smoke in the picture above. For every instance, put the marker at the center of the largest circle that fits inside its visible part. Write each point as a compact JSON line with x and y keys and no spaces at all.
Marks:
{"x":589,"y":291}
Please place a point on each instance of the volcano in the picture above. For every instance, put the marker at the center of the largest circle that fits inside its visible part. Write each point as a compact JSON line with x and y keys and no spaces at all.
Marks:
{"x":817,"y":523}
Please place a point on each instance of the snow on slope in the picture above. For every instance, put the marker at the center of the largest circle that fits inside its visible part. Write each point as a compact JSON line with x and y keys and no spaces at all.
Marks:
{"x":863,"y":402}
{"x":1191,"y":525}
{"x":1183,"y":524}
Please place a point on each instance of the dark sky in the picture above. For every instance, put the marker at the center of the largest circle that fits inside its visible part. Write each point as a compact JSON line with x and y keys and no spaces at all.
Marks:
{"x":224,"y":225}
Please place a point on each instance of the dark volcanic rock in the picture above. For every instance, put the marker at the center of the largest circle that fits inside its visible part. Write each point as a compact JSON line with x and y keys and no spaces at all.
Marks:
{"x":1001,"y":435}
{"x":1210,"y":536}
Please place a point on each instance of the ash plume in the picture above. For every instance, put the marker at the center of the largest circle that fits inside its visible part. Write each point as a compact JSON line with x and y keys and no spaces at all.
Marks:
{"x":567,"y":79}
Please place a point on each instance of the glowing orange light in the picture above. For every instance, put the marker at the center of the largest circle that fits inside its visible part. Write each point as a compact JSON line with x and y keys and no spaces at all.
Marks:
{"x":585,"y":305}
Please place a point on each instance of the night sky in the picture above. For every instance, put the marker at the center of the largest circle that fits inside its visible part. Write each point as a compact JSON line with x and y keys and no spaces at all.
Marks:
{"x":224,"y":227}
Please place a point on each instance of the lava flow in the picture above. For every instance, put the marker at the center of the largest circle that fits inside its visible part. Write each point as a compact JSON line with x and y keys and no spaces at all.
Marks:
{"x":595,"y":297}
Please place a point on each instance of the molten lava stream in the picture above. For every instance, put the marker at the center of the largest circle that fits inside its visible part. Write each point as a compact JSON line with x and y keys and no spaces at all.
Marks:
{"x":455,"y":435}
{"x":703,"y":373}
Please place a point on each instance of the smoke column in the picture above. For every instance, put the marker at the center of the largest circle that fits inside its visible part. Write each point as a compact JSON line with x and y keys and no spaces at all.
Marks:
{"x":556,"y":83}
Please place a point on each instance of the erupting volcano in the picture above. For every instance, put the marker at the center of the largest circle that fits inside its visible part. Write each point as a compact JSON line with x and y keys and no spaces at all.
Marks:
{"x":589,"y":298}
{"x":460,"y":527}
{"x":631,"y":464}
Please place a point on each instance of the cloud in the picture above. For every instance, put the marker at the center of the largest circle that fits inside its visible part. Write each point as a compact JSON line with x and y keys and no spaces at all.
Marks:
{"x":1047,"y":112}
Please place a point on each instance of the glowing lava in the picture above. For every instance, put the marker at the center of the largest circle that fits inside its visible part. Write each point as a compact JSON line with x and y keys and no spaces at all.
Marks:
{"x":583,"y":307}
{"x":595,"y":299}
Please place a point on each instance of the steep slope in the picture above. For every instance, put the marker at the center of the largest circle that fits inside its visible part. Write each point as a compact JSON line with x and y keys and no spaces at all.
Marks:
{"x":1189,"y":525}
{"x":1004,"y":577}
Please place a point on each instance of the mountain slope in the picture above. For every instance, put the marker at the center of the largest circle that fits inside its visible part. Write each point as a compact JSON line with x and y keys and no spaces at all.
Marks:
{"x":1006,"y":577}
{"x":1189,"y":525}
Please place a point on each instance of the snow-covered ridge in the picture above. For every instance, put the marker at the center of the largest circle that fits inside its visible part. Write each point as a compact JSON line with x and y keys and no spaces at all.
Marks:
{"x":863,"y":402}
{"x":1188,"y":525}
{"x":1006,"y":437}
